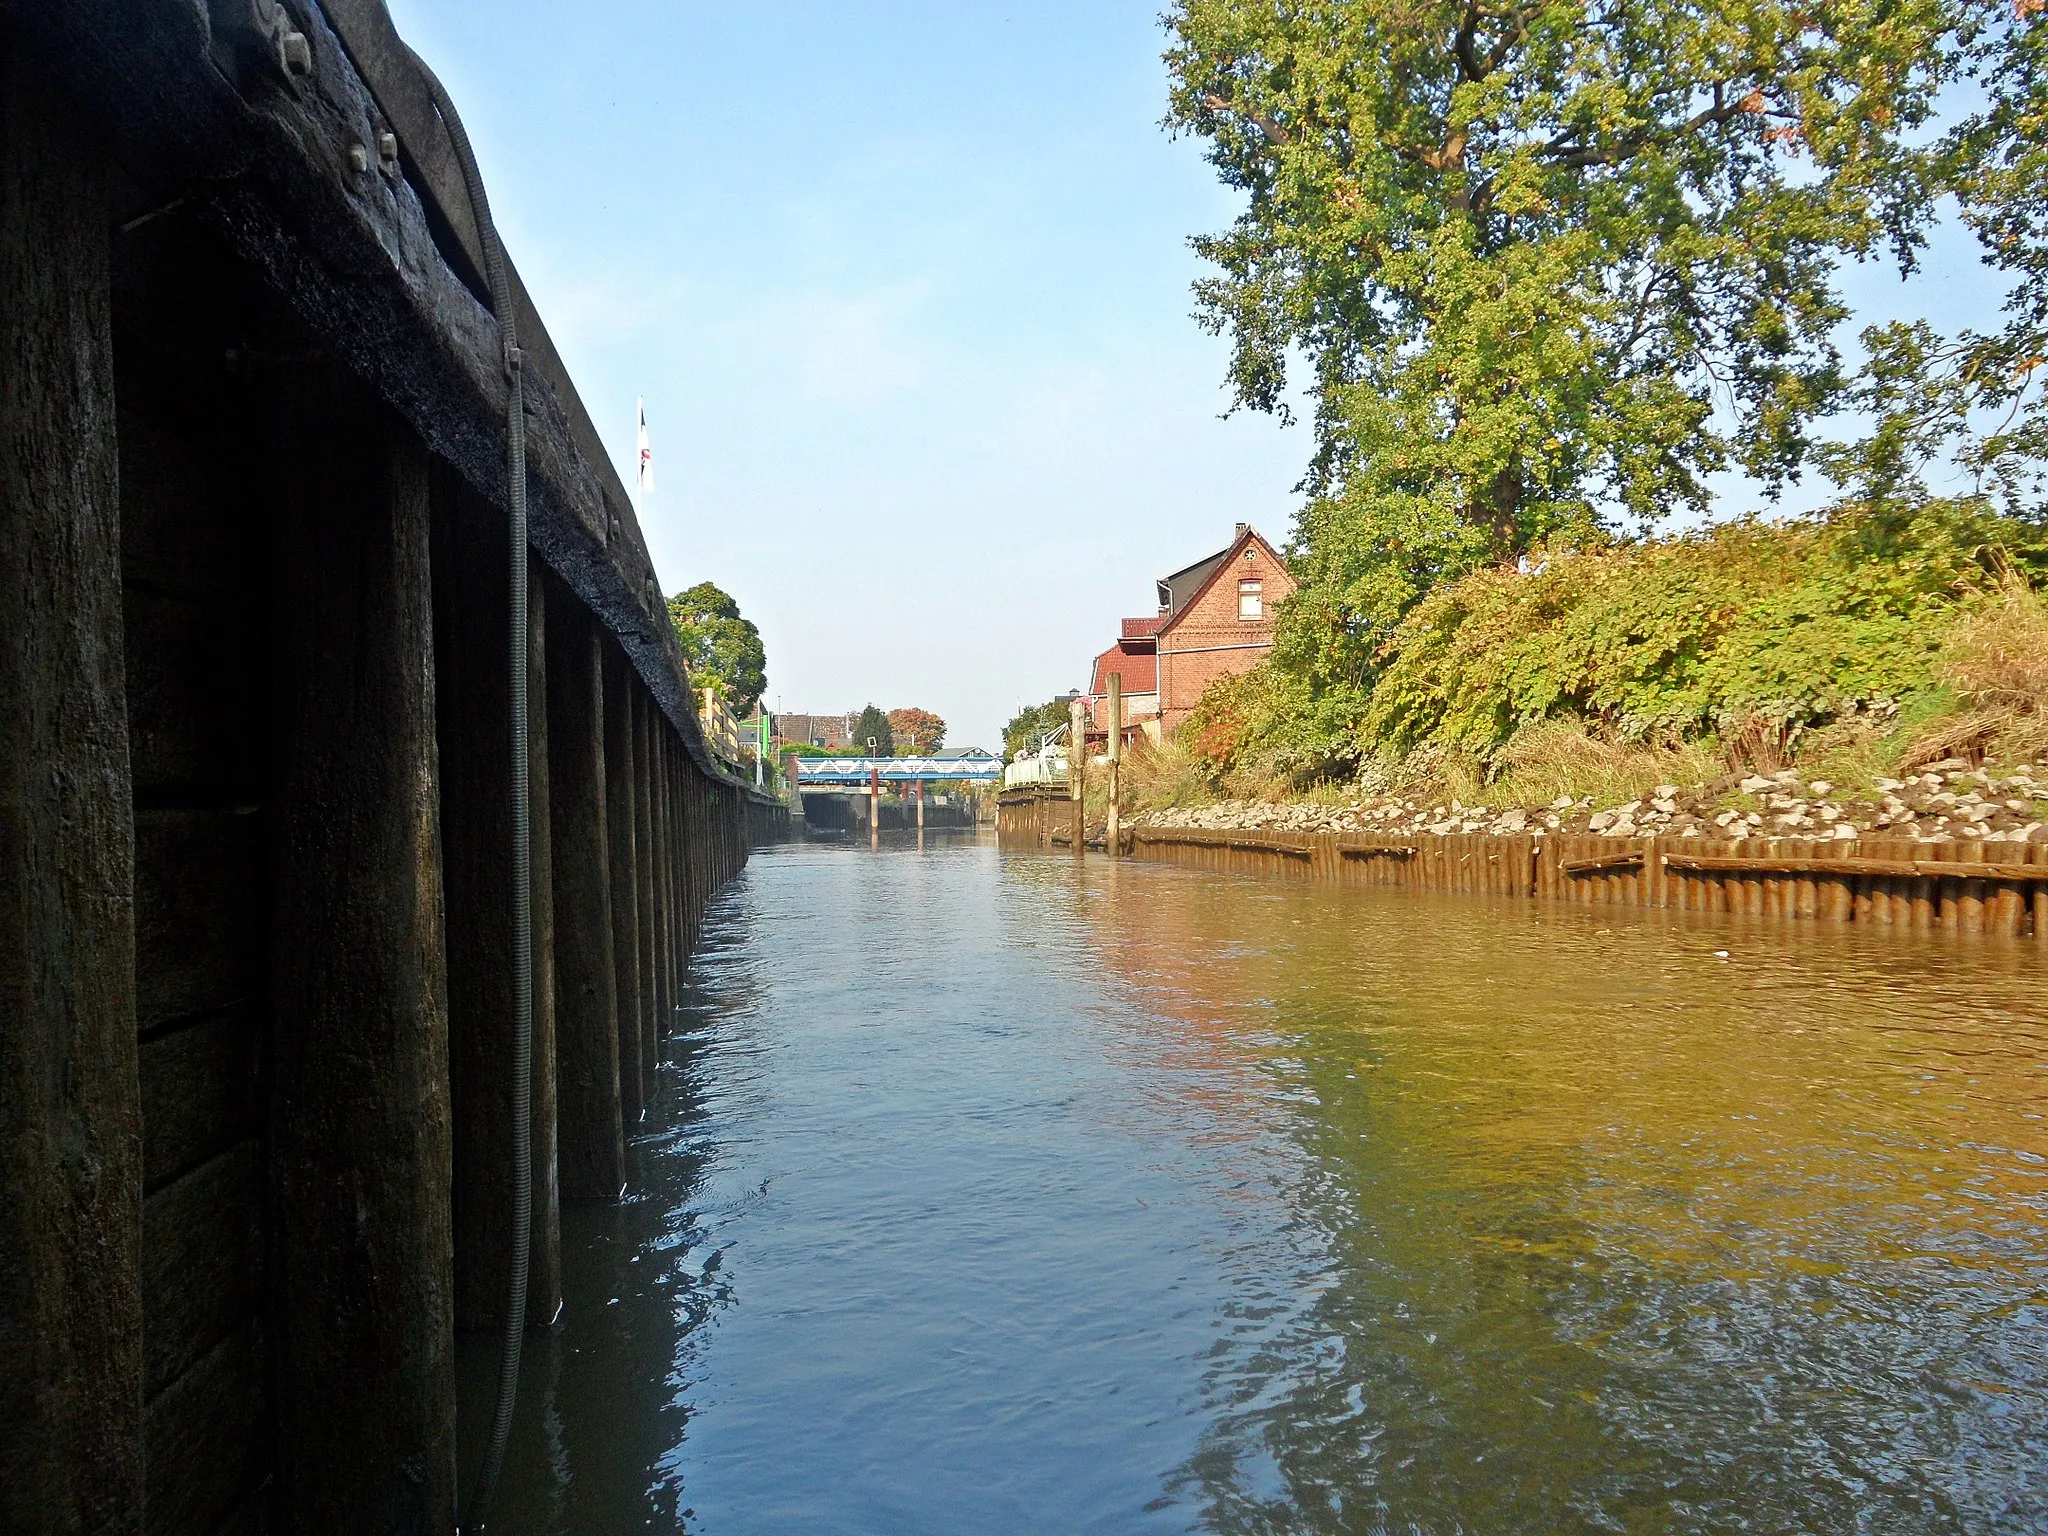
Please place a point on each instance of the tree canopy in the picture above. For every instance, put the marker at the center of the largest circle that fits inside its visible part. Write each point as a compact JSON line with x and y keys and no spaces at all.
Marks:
{"x":721,"y":649}
{"x":918,"y":731}
{"x":1031,"y":723}
{"x":1974,"y":398}
{"x":1550,"y":262}
{"x":873,"y":725}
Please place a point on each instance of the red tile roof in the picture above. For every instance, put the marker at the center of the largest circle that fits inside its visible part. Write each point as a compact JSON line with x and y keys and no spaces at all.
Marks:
{"x":1138,"y":629}
{"x":1140,"y":669}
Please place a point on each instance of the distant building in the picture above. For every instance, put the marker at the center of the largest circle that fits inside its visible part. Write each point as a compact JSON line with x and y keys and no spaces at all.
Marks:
{"x":1215,"y":619}
{"x":832,"y":732}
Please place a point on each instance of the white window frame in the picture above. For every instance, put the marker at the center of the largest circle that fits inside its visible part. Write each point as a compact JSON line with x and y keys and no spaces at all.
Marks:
{"x":1254,"y":590}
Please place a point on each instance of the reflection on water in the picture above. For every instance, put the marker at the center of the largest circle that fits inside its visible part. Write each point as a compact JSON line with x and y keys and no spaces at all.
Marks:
{"x":996,"y":1195}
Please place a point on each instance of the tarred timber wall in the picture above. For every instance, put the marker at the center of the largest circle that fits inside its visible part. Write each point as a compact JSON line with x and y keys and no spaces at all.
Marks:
{"x":1999,"y":888}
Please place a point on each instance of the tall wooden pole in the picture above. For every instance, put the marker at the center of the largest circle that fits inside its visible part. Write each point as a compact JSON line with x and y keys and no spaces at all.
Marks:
{"x":361,"y":1156}
{"x":1077,"y":772}
{"x":1113,"y":834}
{"x":70,"y":1113}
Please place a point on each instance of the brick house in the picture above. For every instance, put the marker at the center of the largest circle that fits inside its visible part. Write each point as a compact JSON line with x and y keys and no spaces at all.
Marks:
{"x":1215,"y":619}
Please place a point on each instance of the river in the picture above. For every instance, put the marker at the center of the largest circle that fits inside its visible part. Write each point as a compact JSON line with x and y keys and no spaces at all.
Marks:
{"x":994,"y":1193}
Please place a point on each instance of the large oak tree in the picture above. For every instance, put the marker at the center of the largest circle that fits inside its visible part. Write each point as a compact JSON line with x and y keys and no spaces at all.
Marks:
{"x":1550,"y":264}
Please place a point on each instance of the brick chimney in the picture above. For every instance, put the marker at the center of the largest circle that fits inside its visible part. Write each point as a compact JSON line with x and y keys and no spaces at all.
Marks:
{"x":1241,"y":527}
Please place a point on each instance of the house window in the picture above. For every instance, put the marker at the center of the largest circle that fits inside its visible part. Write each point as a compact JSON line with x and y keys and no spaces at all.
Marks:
{"x":1249,"y":604}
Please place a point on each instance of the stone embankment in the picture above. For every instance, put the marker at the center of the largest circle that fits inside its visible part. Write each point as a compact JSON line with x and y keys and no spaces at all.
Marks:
{"x":1948,"y":802}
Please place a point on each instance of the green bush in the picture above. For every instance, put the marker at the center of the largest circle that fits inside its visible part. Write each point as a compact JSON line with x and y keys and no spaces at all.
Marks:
{"x":1661,"y":642}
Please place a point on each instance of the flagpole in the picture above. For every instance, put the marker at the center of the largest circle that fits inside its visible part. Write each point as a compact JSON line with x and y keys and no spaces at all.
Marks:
{"x":640,"y":460}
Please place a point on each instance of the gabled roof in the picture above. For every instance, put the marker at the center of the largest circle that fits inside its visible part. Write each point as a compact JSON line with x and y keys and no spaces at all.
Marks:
{"x":1215,"y":565}
{"x":1178,"y":590}
{"x":954,"y":754}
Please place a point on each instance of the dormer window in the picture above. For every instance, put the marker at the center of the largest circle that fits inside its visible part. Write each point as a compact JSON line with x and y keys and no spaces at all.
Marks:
{"x":1250,"y":603}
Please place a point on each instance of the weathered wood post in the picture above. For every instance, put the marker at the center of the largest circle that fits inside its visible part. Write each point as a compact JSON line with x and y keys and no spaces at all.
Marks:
{"x":1077,"y":773}
{"x":1112,"y":840}
{"x":359,"y":1117}
{"x":650,"y":939}
{"x":592,"y":1147}
{"x":664,"y":934}
{"x":70,"y":1118}
{"x":622,"y":819}
{"x":474,"y":737}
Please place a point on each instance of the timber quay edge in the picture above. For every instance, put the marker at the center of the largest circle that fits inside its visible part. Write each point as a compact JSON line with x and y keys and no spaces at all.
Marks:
{"x":1955,"y":888}
{"x":256,"y":861}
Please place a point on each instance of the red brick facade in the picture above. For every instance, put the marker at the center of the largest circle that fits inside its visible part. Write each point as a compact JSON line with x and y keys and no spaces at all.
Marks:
{"x":1224,"y":628}
{"x":1215,"y":619}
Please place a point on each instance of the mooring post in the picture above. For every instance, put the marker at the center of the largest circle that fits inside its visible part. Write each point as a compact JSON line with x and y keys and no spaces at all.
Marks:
{"x":664,"y":935}
{"x":1112,"y":841}
{"x":70,"y":1118}
{"x":1077,"y":772}
{"x":621,"y":824}
{"x":592,"y":1149}
{"x":474,"y":734}
{"x":650,"y":931}
{"x":361,"y":1153}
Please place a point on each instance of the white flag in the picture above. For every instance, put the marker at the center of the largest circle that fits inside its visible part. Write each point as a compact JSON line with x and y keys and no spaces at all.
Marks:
{"x":646,"y":480}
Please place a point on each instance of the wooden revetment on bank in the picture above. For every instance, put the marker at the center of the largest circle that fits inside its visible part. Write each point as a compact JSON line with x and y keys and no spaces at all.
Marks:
{"x":1957,"y":888}
{"x":255,"y":846}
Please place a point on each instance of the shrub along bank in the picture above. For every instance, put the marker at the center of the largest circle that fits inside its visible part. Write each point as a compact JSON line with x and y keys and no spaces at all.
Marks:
{"x":1838,"y":651}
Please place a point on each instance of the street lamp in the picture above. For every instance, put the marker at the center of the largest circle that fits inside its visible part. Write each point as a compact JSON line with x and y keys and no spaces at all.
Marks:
{"x":874,"y":793}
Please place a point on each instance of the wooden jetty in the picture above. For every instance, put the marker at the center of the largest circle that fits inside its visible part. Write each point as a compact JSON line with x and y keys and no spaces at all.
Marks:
{"x":255,"y":811}
{"x":1955,"y":888}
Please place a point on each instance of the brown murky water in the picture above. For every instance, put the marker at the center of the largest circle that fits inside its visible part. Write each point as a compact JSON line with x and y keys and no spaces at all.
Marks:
{"x":1001,"y":1196}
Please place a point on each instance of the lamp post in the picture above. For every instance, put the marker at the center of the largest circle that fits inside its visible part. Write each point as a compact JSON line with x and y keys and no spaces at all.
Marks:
{"x":874,"y":796}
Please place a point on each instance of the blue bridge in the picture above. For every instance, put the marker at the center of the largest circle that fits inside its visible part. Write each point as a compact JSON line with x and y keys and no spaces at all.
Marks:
{"x":820,"y":771}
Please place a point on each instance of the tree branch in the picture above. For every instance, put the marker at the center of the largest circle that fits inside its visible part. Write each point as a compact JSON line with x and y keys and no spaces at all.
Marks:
{"x":1274,"y":133}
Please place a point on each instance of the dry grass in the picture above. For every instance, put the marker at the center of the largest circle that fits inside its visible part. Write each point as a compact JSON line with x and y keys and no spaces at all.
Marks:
{"x":1995,"y":664}
{"x":1559,"y":757}
{"x":1165,"y":777}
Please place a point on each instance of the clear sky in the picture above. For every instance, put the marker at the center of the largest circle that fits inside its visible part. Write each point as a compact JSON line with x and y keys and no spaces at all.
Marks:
{"x":905,"y":286}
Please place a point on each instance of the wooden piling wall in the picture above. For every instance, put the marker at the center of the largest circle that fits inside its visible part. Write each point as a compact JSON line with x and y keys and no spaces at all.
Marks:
{"x":255,"y":810}
{"x":1954,"y":888}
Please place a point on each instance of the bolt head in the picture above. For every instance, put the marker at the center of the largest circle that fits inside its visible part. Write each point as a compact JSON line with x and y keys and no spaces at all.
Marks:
{"x":295,"y":53}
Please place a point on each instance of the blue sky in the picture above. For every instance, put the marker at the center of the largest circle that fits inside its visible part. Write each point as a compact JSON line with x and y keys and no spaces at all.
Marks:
{"x":905,"y":287}
{"x":906,"y":290}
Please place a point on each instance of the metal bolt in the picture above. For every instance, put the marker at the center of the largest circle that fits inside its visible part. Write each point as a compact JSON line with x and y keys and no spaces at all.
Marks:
{"x":295,"y":53}
{"x":358,"y":159}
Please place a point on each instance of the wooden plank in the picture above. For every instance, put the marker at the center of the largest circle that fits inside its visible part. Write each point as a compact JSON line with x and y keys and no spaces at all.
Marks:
{"x":198,"y":902}
{"x":199,"y":1087}
{"x":1905,"y":868}
{"x":202,"y":1260}
{"x":1603,"y":863}
{"x":194,"y":682}
{"x":207,"y":1438}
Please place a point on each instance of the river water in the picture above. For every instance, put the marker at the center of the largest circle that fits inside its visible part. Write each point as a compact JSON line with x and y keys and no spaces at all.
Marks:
{"x":998,"y":1194}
